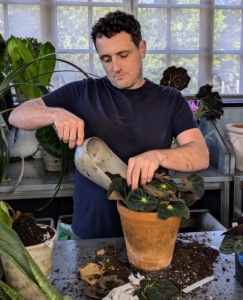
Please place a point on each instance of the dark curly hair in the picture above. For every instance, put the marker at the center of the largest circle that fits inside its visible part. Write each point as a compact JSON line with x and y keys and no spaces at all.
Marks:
{"x":115,"y":22}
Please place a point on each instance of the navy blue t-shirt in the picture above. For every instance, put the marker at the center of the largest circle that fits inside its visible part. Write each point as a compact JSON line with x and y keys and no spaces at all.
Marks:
{"x":130,"y":122}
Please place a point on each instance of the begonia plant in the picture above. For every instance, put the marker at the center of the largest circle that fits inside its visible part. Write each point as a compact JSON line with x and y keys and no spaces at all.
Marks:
{"x":161,"y":195}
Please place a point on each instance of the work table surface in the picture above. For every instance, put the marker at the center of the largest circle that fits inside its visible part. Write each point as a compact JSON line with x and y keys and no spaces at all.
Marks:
{"x":72,"y":254}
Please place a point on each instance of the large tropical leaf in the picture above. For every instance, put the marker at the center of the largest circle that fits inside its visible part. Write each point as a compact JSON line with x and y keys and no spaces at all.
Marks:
{"x":12,"y":247}
{"x":46,"y":66}
{"x":212,"y":102}
{"x":20,"y":55}
{"x":175,"y":77}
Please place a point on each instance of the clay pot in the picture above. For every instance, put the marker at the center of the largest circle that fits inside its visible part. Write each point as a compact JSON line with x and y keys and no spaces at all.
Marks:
{"x":150,"y":241}
{"x":235,"y":133}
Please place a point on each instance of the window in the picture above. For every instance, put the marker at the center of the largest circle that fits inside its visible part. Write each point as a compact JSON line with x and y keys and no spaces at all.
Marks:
{"x":203,"y":36}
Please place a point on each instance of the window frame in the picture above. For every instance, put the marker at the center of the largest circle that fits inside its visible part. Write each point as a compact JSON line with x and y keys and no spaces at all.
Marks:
{"x":48,"y":15}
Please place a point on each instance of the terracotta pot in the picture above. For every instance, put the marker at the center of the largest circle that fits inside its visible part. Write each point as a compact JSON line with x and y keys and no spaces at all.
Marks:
{"x":235,"y":133}
{"x":150,"y":241}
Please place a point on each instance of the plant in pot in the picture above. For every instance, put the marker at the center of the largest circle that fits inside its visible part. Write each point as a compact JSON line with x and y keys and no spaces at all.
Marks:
{"x":16,"y":53}
{"x":233,"y":243}
{"x":206,"y":101}
{"x":38,"y":239}
{"x":151,"y":215}
{"x":6,"y":85}
{"x":27,"y":272}
{"x":49,"y":144}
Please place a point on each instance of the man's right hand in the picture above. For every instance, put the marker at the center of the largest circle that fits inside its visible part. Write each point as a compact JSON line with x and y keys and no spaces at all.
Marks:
{"x":69,"y":127}
{"x":34,"y":114}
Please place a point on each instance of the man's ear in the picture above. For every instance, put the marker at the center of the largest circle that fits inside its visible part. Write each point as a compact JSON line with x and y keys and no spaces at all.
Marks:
{"x":142,"y":48}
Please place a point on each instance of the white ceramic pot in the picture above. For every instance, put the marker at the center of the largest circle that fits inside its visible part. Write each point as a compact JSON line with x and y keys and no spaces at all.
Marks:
{"x":235,"y":134}
{"x":52,"y":163}
{"x":22,"y":141}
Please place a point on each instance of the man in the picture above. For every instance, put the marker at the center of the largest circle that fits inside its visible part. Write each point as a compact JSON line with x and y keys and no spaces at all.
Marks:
{"x":136,"y":118}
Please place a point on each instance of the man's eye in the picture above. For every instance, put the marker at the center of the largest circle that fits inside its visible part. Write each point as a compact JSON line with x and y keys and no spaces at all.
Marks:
{"x":124,"y":55}
{"x":106,"y":60}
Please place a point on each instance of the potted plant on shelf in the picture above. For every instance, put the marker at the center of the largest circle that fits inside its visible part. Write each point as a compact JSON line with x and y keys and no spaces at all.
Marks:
{"x":34,"y":284}
{"x":233,"y":243}
{"x":151,"y":215}
{"x":49,"y":144}
{"x":16,"y":52}
{"x":5,"y":86}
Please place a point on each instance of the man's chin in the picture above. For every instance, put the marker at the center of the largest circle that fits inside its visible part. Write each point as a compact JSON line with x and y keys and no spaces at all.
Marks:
{"x":120,"y":85}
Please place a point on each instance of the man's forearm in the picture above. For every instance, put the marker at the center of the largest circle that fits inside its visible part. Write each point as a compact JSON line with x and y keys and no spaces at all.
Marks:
{"x":31,"y":116}
{"x":186,"y":158}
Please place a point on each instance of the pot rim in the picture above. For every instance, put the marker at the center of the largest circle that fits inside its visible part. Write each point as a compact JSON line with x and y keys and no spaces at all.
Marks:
{"x":140,"y":214}
{"x":44,"y":243}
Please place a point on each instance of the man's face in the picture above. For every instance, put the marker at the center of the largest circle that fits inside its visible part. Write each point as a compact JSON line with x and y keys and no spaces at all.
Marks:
{"x":122,"y":60}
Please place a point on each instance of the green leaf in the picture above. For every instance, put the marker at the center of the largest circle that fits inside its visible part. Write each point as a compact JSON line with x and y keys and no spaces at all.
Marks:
{"x":227,"y":244}
{"x":7,"y":292}
{"x":156,"y":192}
{"x":200,"y":112}
{"x":139,"y":200}
{"x":173,"y":209}
{"x":4,"y":214}
{"x":190,"y":199}
{"x":164,"y":184}
{"x":64,"y":149}
{"x":120,"y":186}
{"x":197,"y":183}
{"x":46,"y":66}
{"x":45,"y":285}
{"x":20,"y":55}
{"x":2,"y":156}
{"x":158,"y":290}
{"x":49,"y":140}
{"x":12,"y":247}
{"x":238,"y":246}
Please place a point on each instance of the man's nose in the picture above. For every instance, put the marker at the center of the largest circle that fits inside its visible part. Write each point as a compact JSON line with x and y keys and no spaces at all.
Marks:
{"x":116,"y":66}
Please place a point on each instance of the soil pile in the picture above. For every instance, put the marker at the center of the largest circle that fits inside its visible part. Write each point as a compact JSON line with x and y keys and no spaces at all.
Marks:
{"x":29,"y":232}
{"x":191,"y":262}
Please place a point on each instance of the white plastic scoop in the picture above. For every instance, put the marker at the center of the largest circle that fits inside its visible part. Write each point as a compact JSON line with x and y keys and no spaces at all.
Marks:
{"x":94,"y":158}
